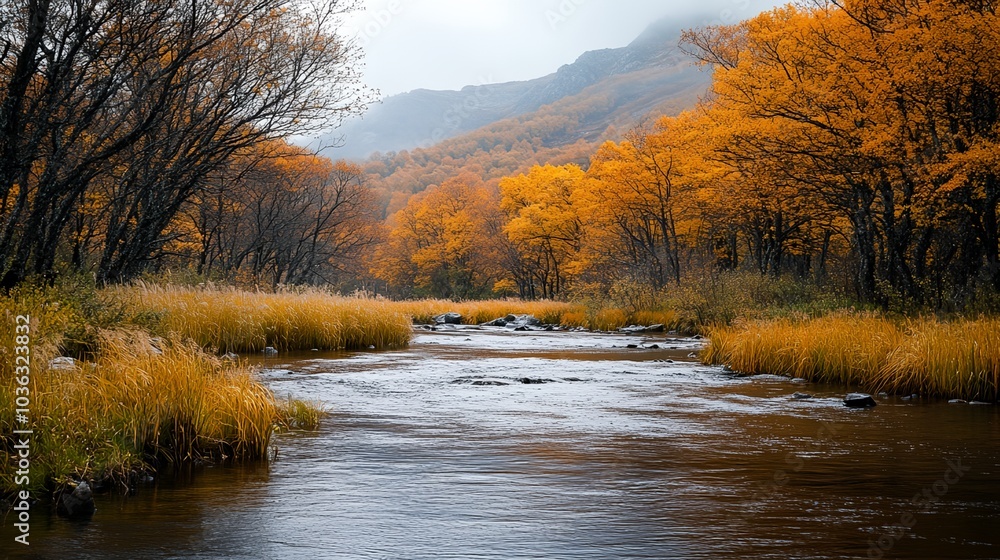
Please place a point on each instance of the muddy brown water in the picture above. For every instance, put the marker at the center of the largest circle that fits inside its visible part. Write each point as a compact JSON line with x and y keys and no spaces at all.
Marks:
{"x":440,"y":451}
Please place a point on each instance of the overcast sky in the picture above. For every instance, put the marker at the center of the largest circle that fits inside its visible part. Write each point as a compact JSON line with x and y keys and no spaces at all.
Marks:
{"x":448,"y":44}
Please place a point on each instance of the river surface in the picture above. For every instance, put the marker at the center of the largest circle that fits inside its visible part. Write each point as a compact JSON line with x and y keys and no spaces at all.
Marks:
{"x":441,"y":451}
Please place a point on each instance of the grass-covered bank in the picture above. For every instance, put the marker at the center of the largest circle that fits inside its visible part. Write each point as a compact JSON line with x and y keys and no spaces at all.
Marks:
{"x":233,"y":320}
{"x":129,"y":402}
{"x":959,"y":358}
{"x":566,"y":314}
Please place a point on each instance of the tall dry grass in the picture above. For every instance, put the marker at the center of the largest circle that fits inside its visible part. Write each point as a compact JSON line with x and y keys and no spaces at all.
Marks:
{"x":137,"y":402}
{"x":233,"y":320}
{"x":957,"y":359}
{"x":145,"y":402}
{"x":478,"y":312}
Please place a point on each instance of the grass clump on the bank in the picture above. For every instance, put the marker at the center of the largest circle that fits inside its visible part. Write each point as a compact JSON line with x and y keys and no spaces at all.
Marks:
{"x":233,"y":320}
{"x":957,"y":359}
{"x":135,"y":404}
{"x":477,"y":312}
{"x":548,"y":312}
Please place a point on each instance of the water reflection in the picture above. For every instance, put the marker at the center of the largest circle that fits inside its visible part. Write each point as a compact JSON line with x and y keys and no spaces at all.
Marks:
{"x":641,"y":456}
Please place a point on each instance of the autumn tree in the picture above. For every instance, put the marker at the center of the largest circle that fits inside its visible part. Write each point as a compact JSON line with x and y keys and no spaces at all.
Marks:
{"x":872,"y":108}
{"x":143,"y":102}
{"x":640,"y":208}
{"x":282,"y":215}
{"x":544,"y":227}
{"x":439,"y":244}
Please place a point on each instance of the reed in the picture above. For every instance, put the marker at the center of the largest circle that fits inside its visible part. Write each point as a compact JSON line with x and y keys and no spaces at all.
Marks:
{"x":233,"y":320}
{"x":145,"y":402}
{"x":138,"y":402}
{"x":956,"y":359}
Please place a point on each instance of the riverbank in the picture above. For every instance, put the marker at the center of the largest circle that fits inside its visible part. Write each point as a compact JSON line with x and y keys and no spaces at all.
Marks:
{"x":956,"y":359}
{"x":128,"y":380}
{"x":103,"y":399}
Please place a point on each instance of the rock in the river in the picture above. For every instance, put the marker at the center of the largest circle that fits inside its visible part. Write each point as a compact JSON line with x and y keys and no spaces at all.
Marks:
{"x":488,"y":383}
{"x":533,"y":381}
{"x":957,"y":401}
{"x":500,"y":322}
{"x":859,"y":400}
{"x":522,"y":321}
{"x":450,"y":318}
{"x":632,"y":329}
{"x":801,"y":396}
{"x":78,"y":503}
{"x":270,"y":351}
{"x":62,"y":363}
{"x":979,"y":403}
{"x":231,"y":357}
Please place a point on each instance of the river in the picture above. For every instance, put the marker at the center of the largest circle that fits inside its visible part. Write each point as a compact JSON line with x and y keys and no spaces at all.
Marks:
{"x":441,"y":451}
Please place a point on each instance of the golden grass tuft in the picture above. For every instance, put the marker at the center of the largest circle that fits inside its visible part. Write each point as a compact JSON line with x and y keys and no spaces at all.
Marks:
{"x":478,"y":312}
{"x":959,"y":359}
{"x":140,"y":402}
{"x":147,"y":401}
{"x":233,"y":320}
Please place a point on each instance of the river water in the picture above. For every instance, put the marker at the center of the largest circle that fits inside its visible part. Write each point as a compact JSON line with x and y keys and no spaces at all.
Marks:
{"x":441,"y":451}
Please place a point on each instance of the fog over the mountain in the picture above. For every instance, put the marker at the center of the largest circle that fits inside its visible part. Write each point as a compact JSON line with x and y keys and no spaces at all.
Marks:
{"x":448,"y":44}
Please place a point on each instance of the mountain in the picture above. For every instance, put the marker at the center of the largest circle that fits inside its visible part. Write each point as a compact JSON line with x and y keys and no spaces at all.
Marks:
{"x":631,"y":81}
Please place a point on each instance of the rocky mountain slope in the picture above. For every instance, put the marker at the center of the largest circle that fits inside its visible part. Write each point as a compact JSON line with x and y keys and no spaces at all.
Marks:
{"x":629,"y":83}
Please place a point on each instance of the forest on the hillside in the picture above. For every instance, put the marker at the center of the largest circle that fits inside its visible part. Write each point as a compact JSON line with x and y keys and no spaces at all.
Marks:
{"x":851,"y":144}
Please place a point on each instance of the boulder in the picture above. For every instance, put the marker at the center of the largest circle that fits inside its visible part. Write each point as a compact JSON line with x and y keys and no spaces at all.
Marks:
{"x":631,"y":329}
{"x":801,"y":396}
{"x":499,"y":322}
{"x":957,"y":401}
{"x":450,"y":318}
{"x":270,"y":351}
{"x":62,"y":363}
{"x":77,"y":503}
{"x":533,"y":381}
{"x":859,"y":400}
{"x":230,"y":357}
{"x":522,"y":321}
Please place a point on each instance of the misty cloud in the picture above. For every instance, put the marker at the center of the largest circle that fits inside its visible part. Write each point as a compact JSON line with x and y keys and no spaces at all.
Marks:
{"x":448,"y":44}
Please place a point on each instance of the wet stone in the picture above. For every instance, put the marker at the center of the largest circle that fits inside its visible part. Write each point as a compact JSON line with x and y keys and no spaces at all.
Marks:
{"x":533,"y":381}
{"x":448,"y":319}
{"x":77,"y":503}
{"x":859,"y":400}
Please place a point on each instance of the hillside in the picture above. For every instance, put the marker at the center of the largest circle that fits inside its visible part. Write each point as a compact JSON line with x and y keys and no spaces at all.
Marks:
{"x":631,"y":81}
